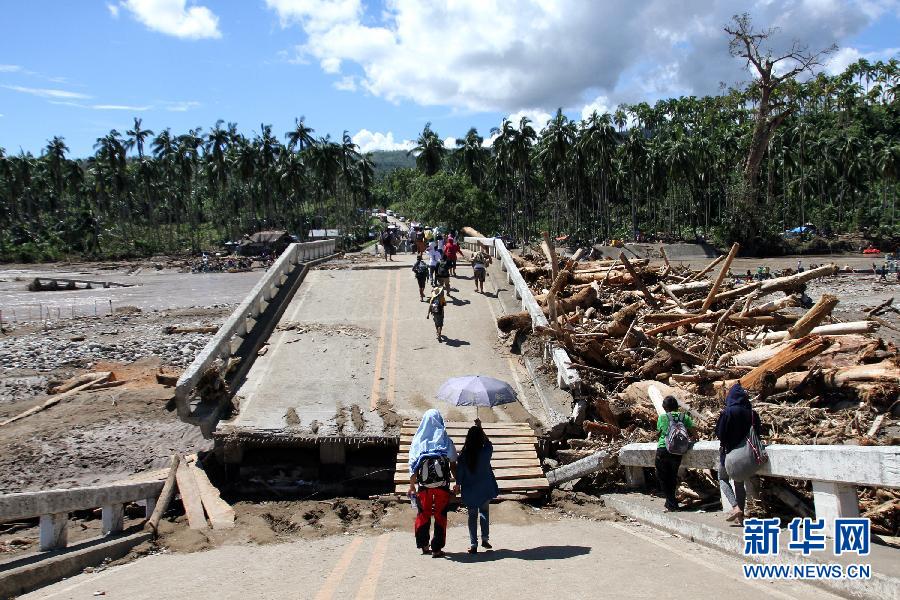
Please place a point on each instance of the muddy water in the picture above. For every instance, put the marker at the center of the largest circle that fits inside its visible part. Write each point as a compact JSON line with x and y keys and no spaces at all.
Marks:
{"x":152,"y":290}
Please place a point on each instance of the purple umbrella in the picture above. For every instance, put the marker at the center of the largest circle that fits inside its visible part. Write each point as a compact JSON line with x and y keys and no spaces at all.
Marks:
{"x":476,"y":390}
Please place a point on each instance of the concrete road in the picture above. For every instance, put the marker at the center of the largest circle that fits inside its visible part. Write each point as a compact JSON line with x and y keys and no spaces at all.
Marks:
{"x":354,"y":344}
{"x":568,"y":559}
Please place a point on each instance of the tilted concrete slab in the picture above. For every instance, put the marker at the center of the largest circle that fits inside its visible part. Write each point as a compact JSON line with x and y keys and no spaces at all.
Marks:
{"x":353,"y":355}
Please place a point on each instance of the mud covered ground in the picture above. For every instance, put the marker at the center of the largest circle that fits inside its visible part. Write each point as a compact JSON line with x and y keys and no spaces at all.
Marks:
{"x":285,"y":521}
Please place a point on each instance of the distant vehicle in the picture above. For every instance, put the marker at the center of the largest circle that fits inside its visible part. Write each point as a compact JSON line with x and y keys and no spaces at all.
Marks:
{"x":402,"y":219}
{"x":390,"y":213}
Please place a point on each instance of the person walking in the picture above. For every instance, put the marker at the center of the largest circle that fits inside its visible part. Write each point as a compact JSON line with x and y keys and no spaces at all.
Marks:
{"x":432,"y":464}
{"x":411,"y":239}
{"x":436,"y":304}
{"x":434,"y":255}
{"x":387,"y":242}
{"x":420,"y":271}
{"x":442,"y":273}
{"x":480,"y":261}
{"x":675,"y":430}
{"x":732,"y":427}
{"x":420,"y":239}
{"x":452,"y":251}
{"x":475,"y":477}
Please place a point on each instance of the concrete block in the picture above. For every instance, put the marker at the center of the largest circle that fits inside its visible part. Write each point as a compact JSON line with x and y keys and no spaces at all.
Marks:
{"x":112,"y":517}
{"x":53,"y":531}
{"x":833,"y":500}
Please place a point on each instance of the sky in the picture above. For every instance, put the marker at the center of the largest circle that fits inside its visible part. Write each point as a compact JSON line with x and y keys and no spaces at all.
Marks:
{"x":380,"y":70}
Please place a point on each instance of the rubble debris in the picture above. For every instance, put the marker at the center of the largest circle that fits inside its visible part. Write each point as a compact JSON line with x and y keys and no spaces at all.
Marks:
{"x":636,"y":331}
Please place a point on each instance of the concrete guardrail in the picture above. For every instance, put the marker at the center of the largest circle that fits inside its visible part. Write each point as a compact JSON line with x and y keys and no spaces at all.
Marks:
{"x":53,"y":507}
{"x":835,"y":471}
{"x":566,"y":376}
{"x":232,"y":333}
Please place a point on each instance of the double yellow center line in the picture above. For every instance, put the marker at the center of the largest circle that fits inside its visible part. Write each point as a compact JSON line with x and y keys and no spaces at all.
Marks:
{"x":375,"y":394}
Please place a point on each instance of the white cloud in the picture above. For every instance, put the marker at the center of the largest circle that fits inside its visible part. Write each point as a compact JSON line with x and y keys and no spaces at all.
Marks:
{"x":537,"y":117}
{"x":183,"y":106}
{"x":346,"y":84}
{"x":600,"y":105}
{"x":369,"y":141}
{"x":537,"y":55}
{"x":113,"y":10}
{"x":174,"y":17}
{"x":450,"y":143}
{"x":120,"y":107}
{"x":10,"y":68}
{"x":47,"y":93}
{"x":844,"y":57}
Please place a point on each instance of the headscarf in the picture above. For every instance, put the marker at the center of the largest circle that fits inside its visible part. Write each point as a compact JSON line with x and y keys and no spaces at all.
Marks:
{"x":735,"y":419}
{"x":431,"y":439}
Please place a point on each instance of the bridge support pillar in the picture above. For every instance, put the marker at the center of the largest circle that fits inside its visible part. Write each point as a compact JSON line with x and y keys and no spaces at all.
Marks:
{"x":834,"y":500}
{"x":53,"y":532}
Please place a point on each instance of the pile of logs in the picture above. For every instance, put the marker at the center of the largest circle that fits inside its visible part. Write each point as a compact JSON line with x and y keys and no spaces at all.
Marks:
{"x":627,"y":324}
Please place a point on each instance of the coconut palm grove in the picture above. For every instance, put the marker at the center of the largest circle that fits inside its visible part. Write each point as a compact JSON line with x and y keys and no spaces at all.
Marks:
{"x":793,"y":146}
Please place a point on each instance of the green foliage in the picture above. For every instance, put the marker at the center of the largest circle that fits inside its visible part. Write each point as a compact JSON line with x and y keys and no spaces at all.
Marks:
{"x":447,"y":199}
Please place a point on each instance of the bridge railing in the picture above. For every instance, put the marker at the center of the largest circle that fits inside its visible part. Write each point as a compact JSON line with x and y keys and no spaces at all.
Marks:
{"x":53,"y":507}
{"x":231,"y":334}
{"x":835,"y":470}
{"x":566,"y":376}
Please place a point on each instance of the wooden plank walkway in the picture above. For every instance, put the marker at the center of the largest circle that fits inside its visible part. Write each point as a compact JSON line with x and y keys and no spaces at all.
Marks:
{"x":515,"y":460}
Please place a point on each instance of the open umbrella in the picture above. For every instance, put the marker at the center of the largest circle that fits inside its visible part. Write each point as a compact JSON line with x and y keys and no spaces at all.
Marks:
{"x":476,"y":390}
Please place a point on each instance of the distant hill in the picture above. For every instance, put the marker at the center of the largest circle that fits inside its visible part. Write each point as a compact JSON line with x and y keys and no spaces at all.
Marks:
{"x":391,"y":160}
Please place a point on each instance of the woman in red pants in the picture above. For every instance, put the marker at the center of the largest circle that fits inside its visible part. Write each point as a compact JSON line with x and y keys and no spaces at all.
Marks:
{"x":432,"y":466}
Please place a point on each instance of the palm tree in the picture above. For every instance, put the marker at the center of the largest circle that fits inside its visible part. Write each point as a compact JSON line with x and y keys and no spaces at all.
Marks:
{"x":300,"y":136}
{"x":429,"y":151}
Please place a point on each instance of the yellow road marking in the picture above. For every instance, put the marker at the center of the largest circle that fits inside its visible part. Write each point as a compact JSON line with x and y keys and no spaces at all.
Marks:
{"x":369,"y":585}
{"x":340,"y":569}
{"x":392,"y":361}
{"x":379,"y":355}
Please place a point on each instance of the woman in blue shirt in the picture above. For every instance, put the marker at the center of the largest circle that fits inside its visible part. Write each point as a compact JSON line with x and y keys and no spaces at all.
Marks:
{"x":479,"y":486}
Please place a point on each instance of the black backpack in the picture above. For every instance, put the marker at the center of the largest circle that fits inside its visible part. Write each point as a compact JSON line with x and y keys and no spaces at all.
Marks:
{"x":433,"y":472}
{"x":436,"y":305}
{"x":677,"y":439}
{"x":420,"y":269}
{"x":443,"y":268}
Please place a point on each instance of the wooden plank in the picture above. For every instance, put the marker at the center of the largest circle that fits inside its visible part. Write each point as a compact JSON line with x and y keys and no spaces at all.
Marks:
{"x":503,"y":441}
{"x":466,"y":424}
{"x":190,"y":497}
{"x":497,"y":463}
{"x":504,"y":456}
{"x":505,"y":485}
{"x":505,"y":431}
{"x":220,"y":513}
{"x":534,"y":472}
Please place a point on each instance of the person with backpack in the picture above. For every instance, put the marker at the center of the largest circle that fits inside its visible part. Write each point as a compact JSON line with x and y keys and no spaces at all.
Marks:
{"x":480,"y":261}
{"x":436,"y":305}
{"x":432,"y":465}
{"x":442,"y":273}
{"x":420,"y":271}
{"x":675,"y":430}
{"x":387,"y":242}
{"x":420,"y":239}
{"x":732,"y":428}
{"x":479,"y":485}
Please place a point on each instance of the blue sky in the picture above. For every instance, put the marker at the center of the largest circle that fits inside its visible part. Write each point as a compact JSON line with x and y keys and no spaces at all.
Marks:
{"x":378,"y":70}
